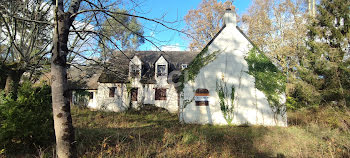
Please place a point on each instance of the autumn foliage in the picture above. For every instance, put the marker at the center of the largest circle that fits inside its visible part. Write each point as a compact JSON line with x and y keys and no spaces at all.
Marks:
{"x":205,"y":21}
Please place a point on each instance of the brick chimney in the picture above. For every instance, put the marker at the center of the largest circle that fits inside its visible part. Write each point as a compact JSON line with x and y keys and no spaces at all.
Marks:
{"x":230,"y":17}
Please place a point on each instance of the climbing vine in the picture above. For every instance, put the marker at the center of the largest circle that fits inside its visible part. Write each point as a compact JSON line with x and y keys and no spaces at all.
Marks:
{"x":225,"y":98}
{"x":128,"y":89}
{"x":201,"y":60}
{"x":268,"y":78}
{"x":129,"y":85}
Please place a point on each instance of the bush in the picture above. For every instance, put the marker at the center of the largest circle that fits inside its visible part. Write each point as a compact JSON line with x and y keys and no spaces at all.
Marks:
{"x":26,"y":123}
{"x":305,"y":95}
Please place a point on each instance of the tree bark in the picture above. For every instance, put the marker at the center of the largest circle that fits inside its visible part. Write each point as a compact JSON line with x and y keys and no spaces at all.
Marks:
{"x":313,"y":8}
{"x":2,"y":77}
{"x":64,"y":130}
{"x":12,"y":82}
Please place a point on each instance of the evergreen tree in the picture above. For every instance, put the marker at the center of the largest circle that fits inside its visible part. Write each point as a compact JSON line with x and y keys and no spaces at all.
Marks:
{"x":125,"y":30}
{"x":326,"y":67}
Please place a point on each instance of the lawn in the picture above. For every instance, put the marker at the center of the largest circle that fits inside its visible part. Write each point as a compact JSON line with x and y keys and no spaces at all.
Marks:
{"x":157,"y":133}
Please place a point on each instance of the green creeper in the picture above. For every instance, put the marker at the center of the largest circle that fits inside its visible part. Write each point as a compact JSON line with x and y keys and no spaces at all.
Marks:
{"x":268,"y":79}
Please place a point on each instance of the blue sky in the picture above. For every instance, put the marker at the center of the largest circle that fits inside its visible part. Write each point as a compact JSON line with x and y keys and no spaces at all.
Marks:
{"x":172,"y":10}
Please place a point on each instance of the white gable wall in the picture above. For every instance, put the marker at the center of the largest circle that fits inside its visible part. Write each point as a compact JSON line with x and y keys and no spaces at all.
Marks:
{"x":251,"y":106}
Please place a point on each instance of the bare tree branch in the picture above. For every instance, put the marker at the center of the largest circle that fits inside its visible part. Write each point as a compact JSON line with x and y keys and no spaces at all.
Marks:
{"x":30,"y":20}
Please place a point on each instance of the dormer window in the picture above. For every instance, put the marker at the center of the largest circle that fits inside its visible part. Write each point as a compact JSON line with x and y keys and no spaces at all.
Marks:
{"x":183,"y":66}
{"x":161,"y":70}
{"x":135,"y":70}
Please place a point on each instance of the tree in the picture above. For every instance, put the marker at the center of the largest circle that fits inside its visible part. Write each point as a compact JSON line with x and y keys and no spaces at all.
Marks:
{"x":204,"y":22}
{"x":312,"y":8}
{"x":113,"y":29}
{"x":60,"y":102}
{"x":279,"y":28}
{"x":326,"y":66}
{"x":66,"y":15}
{"x":258,"y":22}
{"x":64,"y":18}
{"x":24,"y":44}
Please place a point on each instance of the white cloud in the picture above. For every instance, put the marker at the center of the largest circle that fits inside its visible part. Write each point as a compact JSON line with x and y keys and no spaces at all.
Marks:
{"x":151,"y":34}
{"x":170,"y":47}
{"x":175,"y":47}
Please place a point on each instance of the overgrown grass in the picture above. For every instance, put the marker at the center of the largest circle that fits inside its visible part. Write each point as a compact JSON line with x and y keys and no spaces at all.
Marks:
{"x":159,"y":134}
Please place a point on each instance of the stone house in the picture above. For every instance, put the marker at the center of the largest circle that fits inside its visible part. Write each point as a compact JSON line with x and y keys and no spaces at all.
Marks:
{"x":146,"y":77}
{"x":220,"y":89}
{"x":214,"y":86}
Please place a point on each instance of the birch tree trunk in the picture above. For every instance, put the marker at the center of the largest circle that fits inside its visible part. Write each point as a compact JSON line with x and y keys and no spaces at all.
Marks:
{"x":64,"y":130}
{"x":312,"y":8}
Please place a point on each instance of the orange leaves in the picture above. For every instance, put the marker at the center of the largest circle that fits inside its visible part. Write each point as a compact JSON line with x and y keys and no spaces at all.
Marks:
{"x":205,"y":21}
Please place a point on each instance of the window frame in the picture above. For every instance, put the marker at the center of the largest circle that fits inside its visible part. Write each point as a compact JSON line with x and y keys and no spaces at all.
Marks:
{"x":91,"y":95}
{"x":184,"y":66}
{"x":161,"y":73}
{"x":112,"y":91}
{"x":160,"y":94}
{"x":135,"y":70}
{"x":134,"y":94}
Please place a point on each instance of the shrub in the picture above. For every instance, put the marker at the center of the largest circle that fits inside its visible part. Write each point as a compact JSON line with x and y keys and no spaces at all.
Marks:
{"x":303,"y":95}
{"x":81,"y":98}
{"x":27,"y":122}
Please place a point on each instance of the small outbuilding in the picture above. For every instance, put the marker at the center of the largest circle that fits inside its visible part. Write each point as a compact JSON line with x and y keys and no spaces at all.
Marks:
{"x":232,"y":82}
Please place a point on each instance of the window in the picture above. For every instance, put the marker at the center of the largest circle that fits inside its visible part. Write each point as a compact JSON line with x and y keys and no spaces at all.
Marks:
{"x":202,"y":97}
{"x":135,"y":70}
{"x":183,"y":66}
{"x":161,"y":70}
{"x":111,"y":91}
{"x":91,"y":95}
{"x":160,"y":94}
{"x":134,"y":94}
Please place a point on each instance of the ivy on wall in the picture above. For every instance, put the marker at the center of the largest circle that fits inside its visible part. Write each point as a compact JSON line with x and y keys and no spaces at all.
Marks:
{"x":201,"y":60}
{"x":225,"y":98}
{"x":268,"y":78}
{"x":128,"y":89}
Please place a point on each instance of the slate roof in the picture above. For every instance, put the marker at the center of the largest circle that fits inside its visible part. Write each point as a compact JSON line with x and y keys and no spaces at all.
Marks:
{"x":119,"y":69}
{"x":83,"y":77}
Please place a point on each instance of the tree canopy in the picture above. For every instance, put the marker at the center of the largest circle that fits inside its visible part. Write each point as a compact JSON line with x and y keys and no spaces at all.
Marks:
{"x":326,"y":66}
{"x":25,"y":38}
{"x":204,"y":22}
{"x":123,"y":29}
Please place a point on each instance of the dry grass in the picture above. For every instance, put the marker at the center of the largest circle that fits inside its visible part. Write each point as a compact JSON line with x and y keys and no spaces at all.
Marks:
{"x":312,"y":133}
{"x":159,"y":134}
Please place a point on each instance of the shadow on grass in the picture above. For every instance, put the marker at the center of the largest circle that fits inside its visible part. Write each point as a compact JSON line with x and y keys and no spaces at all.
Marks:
{"x":161,"y":135}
